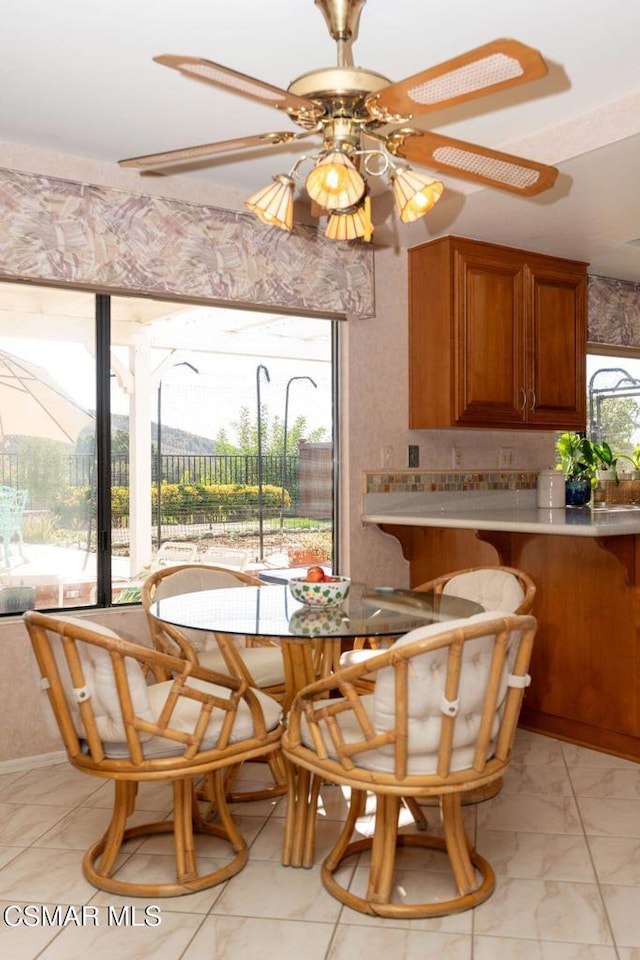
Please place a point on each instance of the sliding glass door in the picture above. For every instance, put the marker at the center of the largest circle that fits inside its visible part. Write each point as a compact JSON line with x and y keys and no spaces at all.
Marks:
{"x":189,"y":432}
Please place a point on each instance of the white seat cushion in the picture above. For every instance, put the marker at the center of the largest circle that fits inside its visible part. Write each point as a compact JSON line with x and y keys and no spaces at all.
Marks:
{"x":195,"y":578}
{"x":148,"y":701}
{"x":351,"y":657}
{"x":265,"y":664}
{"x":185,"y":716}
{"x":492,"y":589}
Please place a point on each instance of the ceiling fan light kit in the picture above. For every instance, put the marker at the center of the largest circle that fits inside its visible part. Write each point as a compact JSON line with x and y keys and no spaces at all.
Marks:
{"x":415,"y":194}
{"x":343,"y":105}
{"x":274,"y":203}
{"x":353,"y":224}
{"x":334,"y":183}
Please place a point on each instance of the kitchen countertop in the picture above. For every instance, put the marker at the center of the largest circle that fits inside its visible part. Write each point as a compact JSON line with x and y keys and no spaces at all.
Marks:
{"x":511,"y":511}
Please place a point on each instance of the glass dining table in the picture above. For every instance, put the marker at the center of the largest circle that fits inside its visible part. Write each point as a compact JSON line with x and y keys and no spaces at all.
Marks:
{"x":311,"y":638}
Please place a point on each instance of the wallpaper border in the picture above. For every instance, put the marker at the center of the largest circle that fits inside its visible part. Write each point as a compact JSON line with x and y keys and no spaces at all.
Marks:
{"x":64,"y":231}
{"x":614,"y":312}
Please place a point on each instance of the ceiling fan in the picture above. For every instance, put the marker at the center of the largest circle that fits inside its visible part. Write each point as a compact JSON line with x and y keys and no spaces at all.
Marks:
{"x":363,"y":120}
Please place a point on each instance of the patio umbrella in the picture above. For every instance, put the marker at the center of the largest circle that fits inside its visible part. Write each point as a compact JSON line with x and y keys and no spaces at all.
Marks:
{"x":33,"y":404}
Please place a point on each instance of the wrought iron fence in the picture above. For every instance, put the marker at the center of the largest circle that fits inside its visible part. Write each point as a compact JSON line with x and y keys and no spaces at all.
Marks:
{"x":9,"y":470}
{"x":209,"y":470}
{"x":66,"y":486}
{"x":194,"y":468}
{"x":79,"y":470}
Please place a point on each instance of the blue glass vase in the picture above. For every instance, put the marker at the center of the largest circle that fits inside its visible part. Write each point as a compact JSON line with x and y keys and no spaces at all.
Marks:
{"x":577,"y":491}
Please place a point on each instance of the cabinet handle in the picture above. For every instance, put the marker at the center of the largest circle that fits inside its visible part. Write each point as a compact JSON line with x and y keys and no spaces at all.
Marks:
{"x":523,"y":405}
{"x":532,"y":394}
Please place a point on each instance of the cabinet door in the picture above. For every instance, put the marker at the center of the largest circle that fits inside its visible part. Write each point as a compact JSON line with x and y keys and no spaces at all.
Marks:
{"x":556,"y":324}
{"x":490,"y":342}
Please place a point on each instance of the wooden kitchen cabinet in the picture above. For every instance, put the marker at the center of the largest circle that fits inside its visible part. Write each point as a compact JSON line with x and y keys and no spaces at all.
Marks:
{"x":497,"y":337}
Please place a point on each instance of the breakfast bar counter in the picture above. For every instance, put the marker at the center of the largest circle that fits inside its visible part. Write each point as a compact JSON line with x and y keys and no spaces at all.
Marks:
{"x":585,"y":563}
{"x":515,"y":512}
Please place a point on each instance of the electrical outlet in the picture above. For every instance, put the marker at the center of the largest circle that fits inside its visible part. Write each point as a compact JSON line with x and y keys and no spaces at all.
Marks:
{"x":456,"y":457}
{"x":505,"y":457}
{"x":414,"y":455}
{"x":386,"y":456}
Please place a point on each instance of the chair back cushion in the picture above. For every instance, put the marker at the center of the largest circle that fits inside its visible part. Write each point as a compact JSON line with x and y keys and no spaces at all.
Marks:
{"x":492,"y":589}
{"x":101,"y":686}
{"x":191,"y":579}
{"x":427,"y":676}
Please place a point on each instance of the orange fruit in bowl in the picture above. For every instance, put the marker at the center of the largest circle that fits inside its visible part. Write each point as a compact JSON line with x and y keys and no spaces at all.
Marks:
{"x":315,"y":574}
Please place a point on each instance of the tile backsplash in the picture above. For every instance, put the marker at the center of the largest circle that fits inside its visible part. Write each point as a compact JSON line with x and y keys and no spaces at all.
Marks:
{"x":435,"y":481}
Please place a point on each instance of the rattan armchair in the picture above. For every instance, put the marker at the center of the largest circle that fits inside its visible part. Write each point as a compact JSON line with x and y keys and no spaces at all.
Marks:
{"x":440,"y":722}
{"x":494,"y":588}
{"x":259,"y":664}
{"x":131,"y":714}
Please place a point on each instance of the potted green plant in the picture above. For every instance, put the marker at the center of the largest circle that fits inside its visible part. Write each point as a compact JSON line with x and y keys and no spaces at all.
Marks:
{"x":577,"y":460}
{"x":634,"y":460}
{"x":606,"y":461}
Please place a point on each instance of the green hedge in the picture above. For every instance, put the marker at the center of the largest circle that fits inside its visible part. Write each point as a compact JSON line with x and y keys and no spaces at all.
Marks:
{"x":181,"y":503}
{"x":200,"y":503}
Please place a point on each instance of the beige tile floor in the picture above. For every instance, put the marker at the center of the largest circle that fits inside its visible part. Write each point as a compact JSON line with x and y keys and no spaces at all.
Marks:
{"x":563,"y":837}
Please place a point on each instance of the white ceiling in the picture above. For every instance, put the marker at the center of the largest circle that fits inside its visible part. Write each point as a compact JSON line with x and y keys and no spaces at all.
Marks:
{"x":78,"y":78}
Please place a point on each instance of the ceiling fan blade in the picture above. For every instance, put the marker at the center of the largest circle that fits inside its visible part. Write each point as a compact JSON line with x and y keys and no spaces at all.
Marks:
{"x":173,"y":157}
{"x":484,"y":70}
{"x":472,"y":162}
{"x":206,"y":70}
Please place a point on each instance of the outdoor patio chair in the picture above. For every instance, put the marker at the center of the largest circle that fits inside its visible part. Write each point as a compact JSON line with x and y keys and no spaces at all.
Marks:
{"x":131,"y":714}
{"x":172,"y":552}
{"x":12,"y":504}
{"x":226,"y":557}
{"x":260,"y":665}
{"x":441,"y":721}
{"x":5,"y":507}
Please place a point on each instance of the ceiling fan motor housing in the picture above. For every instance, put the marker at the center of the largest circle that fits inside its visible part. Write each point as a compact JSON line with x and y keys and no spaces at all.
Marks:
{"x":343,"y":92}
{"x":338,"y":81}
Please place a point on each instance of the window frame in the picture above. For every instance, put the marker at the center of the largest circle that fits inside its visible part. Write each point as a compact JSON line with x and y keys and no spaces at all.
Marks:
{"x":102,"y":314}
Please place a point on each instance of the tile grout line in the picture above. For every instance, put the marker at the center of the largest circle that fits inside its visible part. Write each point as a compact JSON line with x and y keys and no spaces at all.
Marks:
{"x":591,"y":859}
